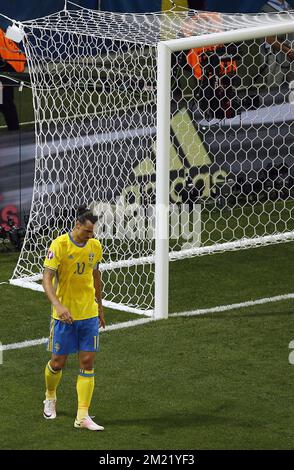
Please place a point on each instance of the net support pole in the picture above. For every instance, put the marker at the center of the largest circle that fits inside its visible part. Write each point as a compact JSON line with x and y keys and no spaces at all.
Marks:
{"x":162,"y":181}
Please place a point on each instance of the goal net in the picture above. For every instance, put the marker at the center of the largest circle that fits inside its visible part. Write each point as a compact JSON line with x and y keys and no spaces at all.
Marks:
{"x":176,"y":128}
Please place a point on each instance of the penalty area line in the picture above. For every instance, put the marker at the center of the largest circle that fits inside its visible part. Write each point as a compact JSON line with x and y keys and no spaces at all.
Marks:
{"x":38,"y":342}
{"x":225,"y":308}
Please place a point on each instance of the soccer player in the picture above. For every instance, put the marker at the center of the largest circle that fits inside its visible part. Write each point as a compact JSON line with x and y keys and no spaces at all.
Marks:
{"x":72,"y":283}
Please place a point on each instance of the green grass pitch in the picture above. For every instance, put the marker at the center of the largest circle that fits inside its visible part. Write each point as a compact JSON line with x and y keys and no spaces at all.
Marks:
{"x":216,"y":381}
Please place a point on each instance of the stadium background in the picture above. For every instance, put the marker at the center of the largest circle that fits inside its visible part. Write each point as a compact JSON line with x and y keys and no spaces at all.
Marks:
{"x":22,"y":10}
{"x":17,"y":153}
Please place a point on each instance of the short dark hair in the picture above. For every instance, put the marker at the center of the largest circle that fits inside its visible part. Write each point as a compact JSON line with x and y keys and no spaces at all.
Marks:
{"x":84,"y":214}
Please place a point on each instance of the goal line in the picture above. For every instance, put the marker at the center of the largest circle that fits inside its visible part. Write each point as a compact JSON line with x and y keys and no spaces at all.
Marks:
{"x":143,"y":321}
{"x":225,"y":308}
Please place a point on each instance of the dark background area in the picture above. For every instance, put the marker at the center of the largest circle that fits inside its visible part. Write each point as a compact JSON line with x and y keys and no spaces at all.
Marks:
{"x":17,"y":147}
{"x":24,"y":10}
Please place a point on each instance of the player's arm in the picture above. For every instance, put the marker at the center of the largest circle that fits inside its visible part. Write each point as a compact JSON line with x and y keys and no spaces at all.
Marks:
{"x":62,"y":312}
{"x":98,"y":294}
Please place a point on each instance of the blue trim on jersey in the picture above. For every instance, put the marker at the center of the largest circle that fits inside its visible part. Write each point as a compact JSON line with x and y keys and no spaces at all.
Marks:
{"x":75,"y":243}
{"x":81,"y":335}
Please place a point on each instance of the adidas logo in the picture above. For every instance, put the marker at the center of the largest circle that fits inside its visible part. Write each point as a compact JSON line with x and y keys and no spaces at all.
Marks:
{"x":188,"y":153}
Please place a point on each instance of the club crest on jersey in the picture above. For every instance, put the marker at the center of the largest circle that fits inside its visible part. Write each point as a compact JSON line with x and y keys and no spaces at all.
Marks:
{"x":50,"y":254}
{"x":91,"y":257}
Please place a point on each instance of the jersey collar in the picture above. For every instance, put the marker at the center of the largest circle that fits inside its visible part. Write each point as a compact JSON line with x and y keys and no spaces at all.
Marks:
{"x":80,"y":245}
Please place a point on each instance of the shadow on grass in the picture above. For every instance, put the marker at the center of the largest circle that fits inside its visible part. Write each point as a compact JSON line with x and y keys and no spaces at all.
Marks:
{"x":184,"y":420}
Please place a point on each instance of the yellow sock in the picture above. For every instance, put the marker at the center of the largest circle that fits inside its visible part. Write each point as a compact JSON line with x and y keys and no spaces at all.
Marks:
{"x":52,"y":379}
{"x":85,"y":387}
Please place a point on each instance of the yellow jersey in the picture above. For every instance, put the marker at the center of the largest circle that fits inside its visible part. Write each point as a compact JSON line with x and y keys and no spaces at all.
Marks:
{"x":73,"y":281}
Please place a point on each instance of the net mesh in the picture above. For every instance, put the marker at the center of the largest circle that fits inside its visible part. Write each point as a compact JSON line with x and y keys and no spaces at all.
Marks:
{"x":93,"y":77}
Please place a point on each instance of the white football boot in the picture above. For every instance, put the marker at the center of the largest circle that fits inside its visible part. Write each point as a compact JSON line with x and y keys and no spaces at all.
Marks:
{"x":88,"y":423}
{"x":49,"y":409}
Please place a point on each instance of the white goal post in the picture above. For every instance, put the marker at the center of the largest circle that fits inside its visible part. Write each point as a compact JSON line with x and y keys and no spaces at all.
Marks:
{"x":124,"y":123}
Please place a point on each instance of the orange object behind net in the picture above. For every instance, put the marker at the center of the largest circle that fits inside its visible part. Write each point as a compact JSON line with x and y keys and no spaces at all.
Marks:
{"x":11,"y":54}
{"x":194,"y":60}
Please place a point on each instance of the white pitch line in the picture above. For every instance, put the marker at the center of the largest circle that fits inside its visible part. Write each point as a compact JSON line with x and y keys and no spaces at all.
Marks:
{"x":38,"y":342}
{"x":142,"y":321}
{"x":127,"y":324}
{"x":24,"y":344}
{"x":225,"y":308}
{"x":3,"y":283}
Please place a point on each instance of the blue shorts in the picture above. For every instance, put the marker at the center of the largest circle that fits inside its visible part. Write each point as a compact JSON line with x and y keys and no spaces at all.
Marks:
{"x":81,"y":335}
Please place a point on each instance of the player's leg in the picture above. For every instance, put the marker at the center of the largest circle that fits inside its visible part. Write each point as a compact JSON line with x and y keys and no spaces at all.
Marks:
{"x":53,"y":374}
{"x":88,"y":345}
{"x":85,"y":383}
{"x":62,"y":341}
